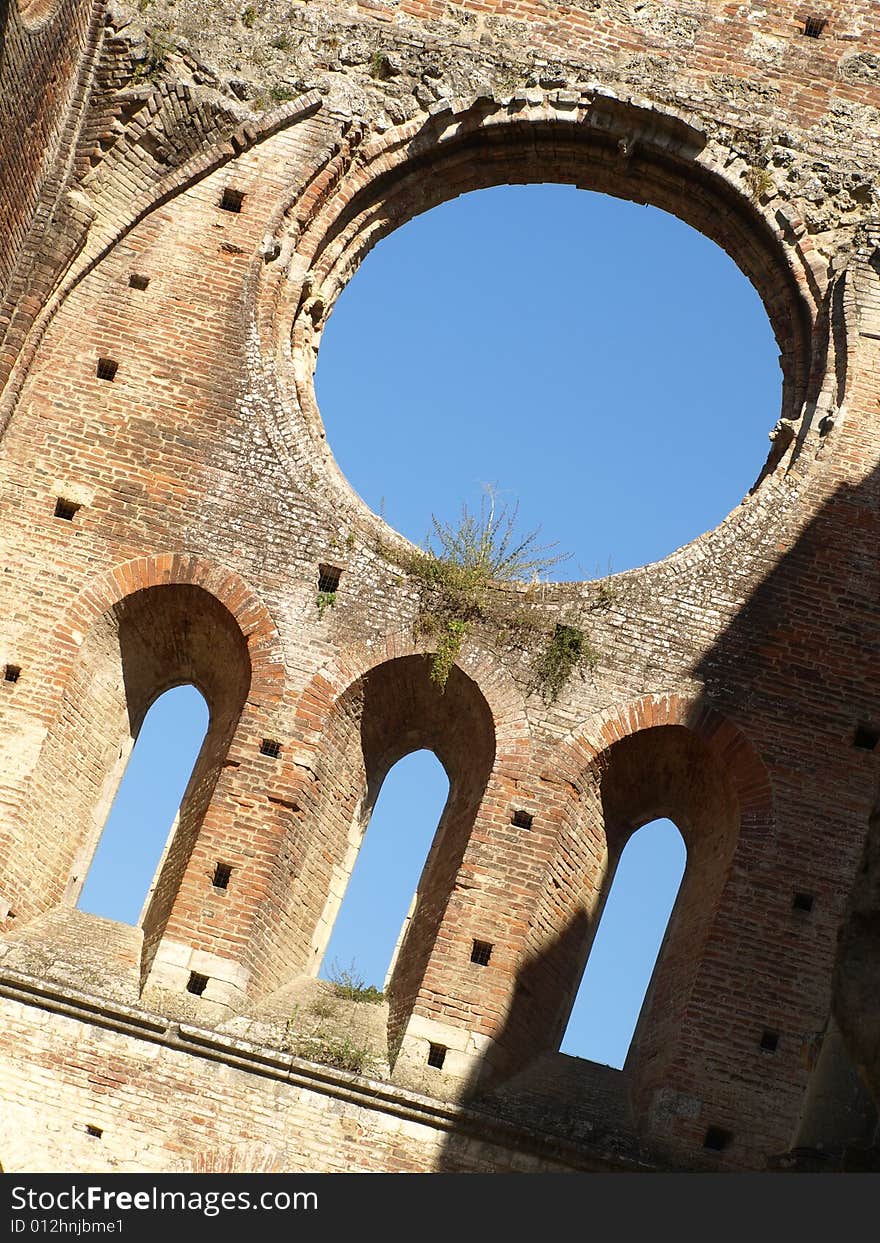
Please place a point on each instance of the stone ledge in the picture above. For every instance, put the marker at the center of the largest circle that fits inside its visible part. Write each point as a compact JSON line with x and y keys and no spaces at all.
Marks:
{"x":353,"y":1089}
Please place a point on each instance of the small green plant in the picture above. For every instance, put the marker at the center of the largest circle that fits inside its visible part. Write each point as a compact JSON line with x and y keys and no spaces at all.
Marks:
{"x":606,"y":596}
{"x":326,"y":600}
{"x":248,"y":17}
{"x":281,"y":94}
{"x":381,"y":67}
{"x":349,"y":983}
{"x":567,"y":649}
{"x":281,"y":43}
{"x":758,"y":182}
{"x":459,"y":571}
{"x":321,"y":1007}
{"x":160,"y":45}
{"x":344,"y":1053}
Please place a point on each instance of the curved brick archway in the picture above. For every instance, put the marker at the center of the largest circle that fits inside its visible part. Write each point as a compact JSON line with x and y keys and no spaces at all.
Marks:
{"x":141,"y":628}
{"x":747,"y":773}
{"x":36,"y":13}
{"x":227,"y":587}
{"x":349,"y":739}
{"x":356,"y":661}
{"x":660,"y":756}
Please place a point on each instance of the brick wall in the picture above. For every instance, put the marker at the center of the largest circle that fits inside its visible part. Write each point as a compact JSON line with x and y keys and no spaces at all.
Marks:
{"x":731,"y":677}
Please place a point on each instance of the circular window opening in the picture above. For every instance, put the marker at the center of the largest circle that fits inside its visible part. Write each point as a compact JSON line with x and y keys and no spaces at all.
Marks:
{"x":606,"y":366}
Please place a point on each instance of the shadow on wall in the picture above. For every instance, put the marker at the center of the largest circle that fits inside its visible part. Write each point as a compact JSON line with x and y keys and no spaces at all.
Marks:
{"x":798,"y":672}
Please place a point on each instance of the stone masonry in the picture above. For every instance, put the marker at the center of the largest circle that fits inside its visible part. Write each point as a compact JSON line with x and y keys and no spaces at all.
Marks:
{"x":184,"y":190}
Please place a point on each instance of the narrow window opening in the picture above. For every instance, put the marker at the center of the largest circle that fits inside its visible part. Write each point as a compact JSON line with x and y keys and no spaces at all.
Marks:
{"x":270,"y":747}
{"x":222,"y":873}
{"x":814,"y":27}
{"x":95,"y":1131}
{"x":231,"y":200}
{"x":717,"y":1139}
{"x":137,"y":280}
{"x":769,"y":1041}
{"x":196,"y":984}
{"x":866,"y":737}
{"x":481,"y":952}
{"x":12,"y":673}
{"x":147,"y":802}
{"x":382,"y":892}
{"x":65,"y":509}
{"x":328,"y":578}
{"x":106,"y":368}
{"x":802,"y":902}
{"x":522,"y":820}
{"x":626,"y":945}
{"x":436,"y":1055}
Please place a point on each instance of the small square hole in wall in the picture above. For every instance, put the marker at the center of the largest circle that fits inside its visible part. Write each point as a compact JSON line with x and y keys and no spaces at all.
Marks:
{"x":11,"y":673}
{"x":802,"y":902}
{"x":65,"y":509}
{"x":137,"y":280}
{"x":270,"y":747}
{"x":769,"y":1041}
{"x":328,"y":578}
{"x":481,"y":952}
{"x":106,"y":368}
{"x":522,"y":820}
{"x":95,"y":1131}
{"x":436,"y":1055}
{"x":231,"y":200}
{"x":814,"y":27}
{"x":866,"y":737}
{"x":222,"y":873}
{"x":196,"y":983}
{"x":717,"y":1139}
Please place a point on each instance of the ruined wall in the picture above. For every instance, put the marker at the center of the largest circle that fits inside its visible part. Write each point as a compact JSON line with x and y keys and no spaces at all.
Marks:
{"x":231,"y":171}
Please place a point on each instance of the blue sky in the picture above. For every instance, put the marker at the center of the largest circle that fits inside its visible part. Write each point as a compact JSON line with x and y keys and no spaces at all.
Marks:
{"x":613,"y":373}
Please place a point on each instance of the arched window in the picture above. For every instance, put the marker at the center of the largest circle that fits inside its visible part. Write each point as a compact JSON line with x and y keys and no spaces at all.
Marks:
{"x":145,"y":808}
{"x":626,"y":945}
{"x":382,"y":891}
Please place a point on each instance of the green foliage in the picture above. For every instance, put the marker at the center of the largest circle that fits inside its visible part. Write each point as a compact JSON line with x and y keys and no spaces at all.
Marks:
{"x":280,"y":95}
{"x":326,"y":600}
{"x":160,"y":45}
{"x":567,"y":649}
{"x":461,"y":566}
{"x":758,"y":182}
{"x":483,"y":548}
{"x":349,"y":983}
{"x":345,"y":1054}
{"x":381,"y":67}
{"x":281,"y":43}
{"x":248,"y":17}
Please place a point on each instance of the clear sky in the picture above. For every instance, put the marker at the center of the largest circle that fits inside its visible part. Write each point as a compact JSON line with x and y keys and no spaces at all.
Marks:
{"x":608,"y":369}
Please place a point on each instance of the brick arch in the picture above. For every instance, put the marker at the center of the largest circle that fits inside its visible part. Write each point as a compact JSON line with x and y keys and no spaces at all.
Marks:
{"x":584,"y":748}
{"x":141,"y":628}
{"x":355,"y":720}
{"x":665,"y":755}
{"x":354,"y":662}
{"x":36,"y":13}
{"x":624,"y":148}
{"x":226,"y":586}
